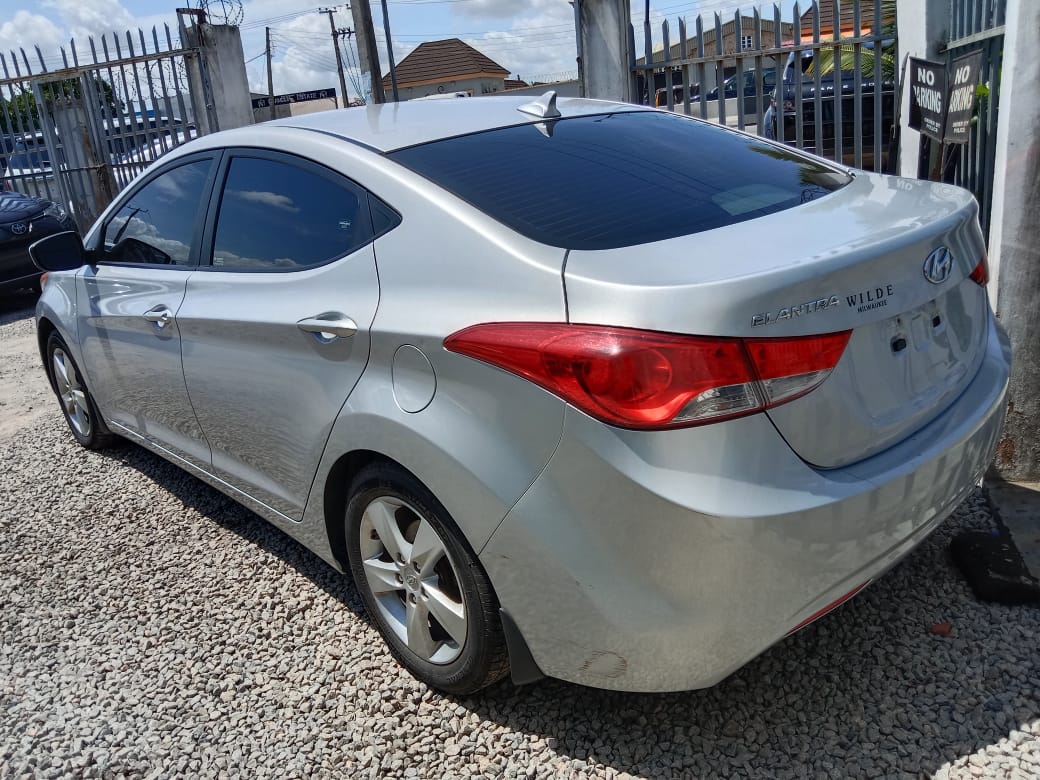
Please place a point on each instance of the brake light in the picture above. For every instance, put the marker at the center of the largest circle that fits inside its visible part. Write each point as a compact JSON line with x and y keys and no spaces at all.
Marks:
{"x":651,"y":380}
{"x":980,"y":274}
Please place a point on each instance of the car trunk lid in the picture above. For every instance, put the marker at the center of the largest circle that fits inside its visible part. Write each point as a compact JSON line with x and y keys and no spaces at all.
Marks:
{"x":852,"y":260}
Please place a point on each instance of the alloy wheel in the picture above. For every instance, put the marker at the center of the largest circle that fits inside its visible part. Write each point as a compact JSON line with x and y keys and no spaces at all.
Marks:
{"x":70,"y":391}
{"x":413,"y":580}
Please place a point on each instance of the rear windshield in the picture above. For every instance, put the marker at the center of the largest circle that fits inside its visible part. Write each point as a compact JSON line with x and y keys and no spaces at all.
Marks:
{"x":614,"y":180}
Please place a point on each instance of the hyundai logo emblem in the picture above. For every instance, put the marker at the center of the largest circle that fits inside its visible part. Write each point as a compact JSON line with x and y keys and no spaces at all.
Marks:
{"x":937,"y":265}
{"x":19,"y":228}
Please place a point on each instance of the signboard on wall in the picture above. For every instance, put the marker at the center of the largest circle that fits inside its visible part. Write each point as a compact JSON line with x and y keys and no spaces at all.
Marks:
{"x":296,"y":97}
{"x":928,"y":97}
{"x":964,"y":75}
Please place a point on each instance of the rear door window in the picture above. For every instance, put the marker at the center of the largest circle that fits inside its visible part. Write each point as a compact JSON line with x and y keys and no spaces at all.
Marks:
{"x":280,"y":215}
{"x":614,"y":180}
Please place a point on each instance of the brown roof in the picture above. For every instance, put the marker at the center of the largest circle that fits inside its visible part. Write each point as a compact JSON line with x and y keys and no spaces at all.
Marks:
{"x":846,"y":23}
{"x":747,"y":27}
{"x":443,"y":61}
{"x":515,"y":84}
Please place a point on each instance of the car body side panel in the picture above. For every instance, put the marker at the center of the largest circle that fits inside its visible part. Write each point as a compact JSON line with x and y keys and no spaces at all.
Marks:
{"x":485,"y":434}
{"x":265,"y":392}
{"x":57,"y":305}
{"x":136,"y":375}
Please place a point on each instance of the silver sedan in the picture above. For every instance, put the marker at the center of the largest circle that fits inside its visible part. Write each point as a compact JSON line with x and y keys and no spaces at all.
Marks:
{"x":576,"y":389}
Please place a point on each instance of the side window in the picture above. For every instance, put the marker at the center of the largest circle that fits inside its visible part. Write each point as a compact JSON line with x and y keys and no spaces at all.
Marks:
{"x":278,"y":216}
{"x":157,"y":224}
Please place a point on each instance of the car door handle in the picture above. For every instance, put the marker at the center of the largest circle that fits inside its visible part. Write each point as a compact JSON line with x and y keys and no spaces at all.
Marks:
{"x":328,"y":326}
{"x":159,"y":316}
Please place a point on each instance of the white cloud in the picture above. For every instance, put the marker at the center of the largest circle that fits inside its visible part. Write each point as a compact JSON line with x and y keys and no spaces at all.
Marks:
{"x":272,"y":199}
{"x":86,"y":18}
{"x":540,"y":46}
{"x":28,"y":29}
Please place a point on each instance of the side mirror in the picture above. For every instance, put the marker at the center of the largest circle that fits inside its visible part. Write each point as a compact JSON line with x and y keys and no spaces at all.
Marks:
{"x":59,"y":252}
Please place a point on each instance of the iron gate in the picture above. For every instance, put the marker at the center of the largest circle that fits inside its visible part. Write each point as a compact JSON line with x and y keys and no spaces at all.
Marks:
{"x":78,"y":133}
{"x":978,"y":25}
{"x":826,"y":81}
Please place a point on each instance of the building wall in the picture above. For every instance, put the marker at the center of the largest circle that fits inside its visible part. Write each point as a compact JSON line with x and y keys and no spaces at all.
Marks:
{"x":484,"y":85}
{"x":561,"y":88}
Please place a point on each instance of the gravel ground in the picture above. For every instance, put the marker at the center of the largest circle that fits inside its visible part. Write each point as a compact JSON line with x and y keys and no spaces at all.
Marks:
{"x":150,"y":627}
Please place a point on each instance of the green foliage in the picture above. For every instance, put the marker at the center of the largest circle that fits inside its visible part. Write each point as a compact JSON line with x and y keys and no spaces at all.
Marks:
{"x":825,"y":60}
{"x":25,"y":114}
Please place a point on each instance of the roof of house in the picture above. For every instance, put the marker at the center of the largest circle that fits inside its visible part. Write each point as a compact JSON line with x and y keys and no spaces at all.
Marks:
{"x":747,"y":27}
{"x":515,"y":84}
{"x":846,"y":22}
{"x":445,"y":60}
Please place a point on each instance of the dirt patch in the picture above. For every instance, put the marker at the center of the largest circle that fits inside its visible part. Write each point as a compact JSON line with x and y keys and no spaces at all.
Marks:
{"x":25,"y":394}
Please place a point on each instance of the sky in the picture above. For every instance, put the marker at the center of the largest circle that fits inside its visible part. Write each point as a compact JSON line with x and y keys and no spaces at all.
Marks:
{"x":533,"y":39}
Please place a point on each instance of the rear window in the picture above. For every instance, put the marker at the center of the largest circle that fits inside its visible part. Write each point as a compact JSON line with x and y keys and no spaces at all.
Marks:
{"x":614,"y":180}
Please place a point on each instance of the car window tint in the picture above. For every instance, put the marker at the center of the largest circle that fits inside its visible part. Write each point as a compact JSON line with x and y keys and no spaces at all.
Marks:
{"x":157,"y":224}
{"x":597,"y":182}
{"x":278,"y":216}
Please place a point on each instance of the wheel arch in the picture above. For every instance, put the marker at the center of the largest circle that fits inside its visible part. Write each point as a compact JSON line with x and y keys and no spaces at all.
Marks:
{"x":337,"y":494}
{"x":44,"y":329}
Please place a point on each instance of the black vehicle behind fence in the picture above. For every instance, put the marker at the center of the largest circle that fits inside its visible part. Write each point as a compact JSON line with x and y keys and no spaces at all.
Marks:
{"x":23,"y":221}
{"x":835,"y":77}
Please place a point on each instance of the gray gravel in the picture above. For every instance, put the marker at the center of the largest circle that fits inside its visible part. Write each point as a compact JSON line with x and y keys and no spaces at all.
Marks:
{"x":150,"y":627}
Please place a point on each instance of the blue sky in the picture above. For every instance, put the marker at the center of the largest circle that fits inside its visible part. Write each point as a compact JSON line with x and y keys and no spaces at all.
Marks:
{"x":532,"y":38}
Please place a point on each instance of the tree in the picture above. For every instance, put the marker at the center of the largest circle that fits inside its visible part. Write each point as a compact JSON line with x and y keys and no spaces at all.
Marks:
{"x":23,"y":113}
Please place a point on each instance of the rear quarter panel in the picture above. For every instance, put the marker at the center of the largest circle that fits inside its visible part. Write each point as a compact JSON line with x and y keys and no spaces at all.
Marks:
{"x":485,"y":434}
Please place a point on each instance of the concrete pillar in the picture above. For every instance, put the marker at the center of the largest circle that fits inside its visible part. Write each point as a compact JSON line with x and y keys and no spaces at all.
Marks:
{"x":921,"y":28}
{"x":1014,"y":250}
{"x":604,"y":49}
{"x":217,"y":78}
{"x":88,"y":175}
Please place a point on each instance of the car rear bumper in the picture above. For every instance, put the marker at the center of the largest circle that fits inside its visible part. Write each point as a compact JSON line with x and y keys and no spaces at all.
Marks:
{"x":666,"y":561}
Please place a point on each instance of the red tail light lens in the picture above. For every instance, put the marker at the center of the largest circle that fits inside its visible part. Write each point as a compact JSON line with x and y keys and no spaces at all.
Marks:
{"x":650,"y":380}
{"x":980,"y":275}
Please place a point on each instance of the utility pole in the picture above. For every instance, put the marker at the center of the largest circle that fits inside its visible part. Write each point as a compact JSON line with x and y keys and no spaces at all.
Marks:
{"x":368,"y":52}
{"x":270,"y":76}
{"x":390,"y":51}
{"x":339,"y":59}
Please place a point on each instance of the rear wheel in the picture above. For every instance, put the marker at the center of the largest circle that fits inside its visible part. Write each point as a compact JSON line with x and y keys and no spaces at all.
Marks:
{"x":422,"y":586}
{"x":76,"y":402}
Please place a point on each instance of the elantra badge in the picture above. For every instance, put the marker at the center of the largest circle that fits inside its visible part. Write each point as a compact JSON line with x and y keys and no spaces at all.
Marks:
{"x":937,"y":265}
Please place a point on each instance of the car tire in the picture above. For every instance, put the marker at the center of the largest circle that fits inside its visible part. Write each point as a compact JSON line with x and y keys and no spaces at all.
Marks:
{"x":76,"y":403}
{"x":422,"y":585}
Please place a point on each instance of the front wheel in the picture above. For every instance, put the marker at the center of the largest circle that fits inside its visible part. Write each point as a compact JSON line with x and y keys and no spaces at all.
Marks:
{"x":424,"y":589}
{"x":78,"y":406}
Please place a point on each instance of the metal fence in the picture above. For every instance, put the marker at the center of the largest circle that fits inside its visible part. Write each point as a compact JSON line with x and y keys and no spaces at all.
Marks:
{"x":978,"y":25}
{"x":79,"y":132}
{"x":825,"y":80}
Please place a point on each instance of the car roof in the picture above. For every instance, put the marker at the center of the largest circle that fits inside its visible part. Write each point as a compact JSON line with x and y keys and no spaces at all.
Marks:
{"x":392,"y":126}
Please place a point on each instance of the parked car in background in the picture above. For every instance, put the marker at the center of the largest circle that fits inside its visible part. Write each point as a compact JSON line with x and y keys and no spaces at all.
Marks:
{"x":837,"y":77}
{"x":744,"y":85}
{"x":24,"y":220}
{"x":557,"y":402}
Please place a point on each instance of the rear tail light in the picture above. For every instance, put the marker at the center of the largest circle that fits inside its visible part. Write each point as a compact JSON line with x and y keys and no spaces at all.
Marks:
{"x":650,"y":380}
{"x":980,"y":274}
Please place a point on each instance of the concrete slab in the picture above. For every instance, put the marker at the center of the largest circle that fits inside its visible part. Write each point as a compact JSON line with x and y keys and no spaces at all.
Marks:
{"x":1018,"y":506}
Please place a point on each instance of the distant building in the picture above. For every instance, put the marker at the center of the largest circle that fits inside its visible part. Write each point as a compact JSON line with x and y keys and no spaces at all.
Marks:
{"x":439,"y":67}
{"x":729,"y":51}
